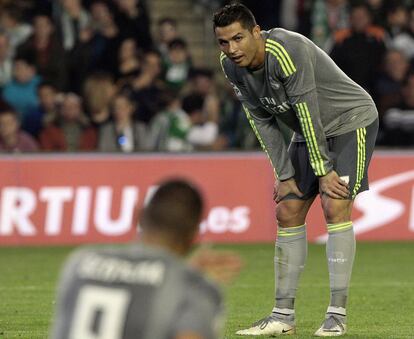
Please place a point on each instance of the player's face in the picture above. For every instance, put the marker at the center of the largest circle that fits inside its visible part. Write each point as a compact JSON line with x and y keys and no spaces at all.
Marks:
{"x":239,"y":44}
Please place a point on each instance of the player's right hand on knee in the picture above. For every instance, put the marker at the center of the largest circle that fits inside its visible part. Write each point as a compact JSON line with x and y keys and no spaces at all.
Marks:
{"x":333,"y":186}
{"x":283,"y":188}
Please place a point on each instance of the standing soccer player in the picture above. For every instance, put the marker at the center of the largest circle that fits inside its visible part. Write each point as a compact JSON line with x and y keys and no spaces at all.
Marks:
{"x":283,"y":77}
{"x":145,"y":290}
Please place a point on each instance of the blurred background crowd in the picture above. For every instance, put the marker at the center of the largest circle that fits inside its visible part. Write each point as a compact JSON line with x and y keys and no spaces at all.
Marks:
{"x":123,"y":76}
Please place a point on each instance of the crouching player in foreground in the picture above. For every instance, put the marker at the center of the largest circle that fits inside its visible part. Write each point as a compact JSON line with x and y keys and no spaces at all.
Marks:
{"x":283,"y":78}
{"x":146,"y":290}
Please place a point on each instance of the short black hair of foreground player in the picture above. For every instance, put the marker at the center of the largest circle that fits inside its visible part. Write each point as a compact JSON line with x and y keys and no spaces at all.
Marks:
{"x":174,"y":212}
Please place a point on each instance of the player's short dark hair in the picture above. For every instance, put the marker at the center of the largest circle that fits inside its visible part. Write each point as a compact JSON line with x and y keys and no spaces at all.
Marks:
{"x":174,"y":209}
{"x":232,"y":13}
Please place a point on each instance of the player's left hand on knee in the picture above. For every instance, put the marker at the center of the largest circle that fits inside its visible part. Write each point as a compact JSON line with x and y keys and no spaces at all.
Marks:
{"x":333,"y":186}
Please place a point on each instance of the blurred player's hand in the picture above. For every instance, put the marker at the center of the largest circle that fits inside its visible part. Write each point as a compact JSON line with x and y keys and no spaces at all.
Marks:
{"x":333,"y":186}
{"x":221,"y":266}
{"x":283,"y":188}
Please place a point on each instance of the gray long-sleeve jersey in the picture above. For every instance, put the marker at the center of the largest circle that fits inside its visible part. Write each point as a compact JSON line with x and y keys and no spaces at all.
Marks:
{"x":301,"y":86}
{"x":134,"y":292}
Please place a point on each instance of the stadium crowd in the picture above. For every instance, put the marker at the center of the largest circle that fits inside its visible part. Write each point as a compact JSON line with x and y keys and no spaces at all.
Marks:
{"x":89,"y":75}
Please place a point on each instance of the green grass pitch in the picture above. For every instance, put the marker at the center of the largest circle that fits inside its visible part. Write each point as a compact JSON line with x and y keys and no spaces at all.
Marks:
{"x":381,"y":303}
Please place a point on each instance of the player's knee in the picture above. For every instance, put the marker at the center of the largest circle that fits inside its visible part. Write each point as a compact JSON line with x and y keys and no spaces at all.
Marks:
{"x":288,"y":216}
{"x":336,"y":211}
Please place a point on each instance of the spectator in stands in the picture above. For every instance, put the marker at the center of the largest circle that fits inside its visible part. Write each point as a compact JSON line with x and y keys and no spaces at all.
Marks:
{"x":45,"y":113}
{"x":405,"y":41}
{"x":6,"y":60}
{"x":99,"y":90}
{"x":178,"y":64}
{"x":396,"y":20}
{"x":79,"y":60}
{"x":11,"y":22}
{"x":122,"y":134}
{"x":358,"y":44}
{"x":326,"y":18}
{"x":202,"y":83}
{"x":378,"y":12}
{"x":167,"y":31}
{"x":399,"y":121}
{"x":134,"y":21}
{"x":48,"y":51}
{"x":203,"y":131}
{"x":21,"y":91}
{"x":106,"y":39}
{"x":148,"y":86}
{"x":234,"y":129}
{"x":129,"y":62}
{"x":71,"y":19}
{"x":169,"y":128}
{"x":12,"y":139}
{"x":388,"y":88}
{"x":71,"y":130}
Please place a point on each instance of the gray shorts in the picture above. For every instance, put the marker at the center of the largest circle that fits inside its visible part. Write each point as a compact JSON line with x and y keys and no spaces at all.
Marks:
{"x":351,"y":154}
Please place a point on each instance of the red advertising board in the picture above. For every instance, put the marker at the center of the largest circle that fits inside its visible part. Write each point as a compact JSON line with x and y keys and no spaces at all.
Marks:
{"x":73,"y":199}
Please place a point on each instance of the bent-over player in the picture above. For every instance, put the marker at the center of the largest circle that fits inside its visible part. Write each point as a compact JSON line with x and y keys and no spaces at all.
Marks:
{"x":282,"y":77}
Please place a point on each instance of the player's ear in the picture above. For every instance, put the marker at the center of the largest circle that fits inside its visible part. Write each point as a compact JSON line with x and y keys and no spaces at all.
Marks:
{"x":256,"y":32}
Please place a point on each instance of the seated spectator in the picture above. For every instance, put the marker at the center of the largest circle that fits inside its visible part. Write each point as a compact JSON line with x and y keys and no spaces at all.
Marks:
{"x":148,"y":86}
{"x":361,"y":42}
{"x":203,"y":132}
{"x":106,"y":40}
{"x":201,"y":82}
{"x":21,"y":91}
{"x":71,"y":18}
{"x":11,"y":20}
{"x":122,"y":134}
{"x":134,"y":21}
{"x":169,"y":128}
{"x":178,"y":64}
{"x":396,"y":20}
{"x":327,"y":17}
{"x":234,"y":129}
{"x":378,"y":9}
{"x":71,"y":130}
{"x":6,"y":60}
{"x":45,"y":113}
{"x":129,"y":63}
{"x":389,"y":84}
{"x":167,"y":31}
{"x":48,"y":51}
{"x":98,"y":91}
{"x":12,"y":139}
{"x":398,"y":121}
{"x":405,"y":41}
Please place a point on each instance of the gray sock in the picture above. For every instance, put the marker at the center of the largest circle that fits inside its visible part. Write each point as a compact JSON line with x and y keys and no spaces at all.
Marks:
{"x":290,"y":255}
{"x":340,"y":252}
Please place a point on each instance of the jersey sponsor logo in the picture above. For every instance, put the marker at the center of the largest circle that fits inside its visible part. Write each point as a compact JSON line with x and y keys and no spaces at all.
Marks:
{"x":270,"y":104}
